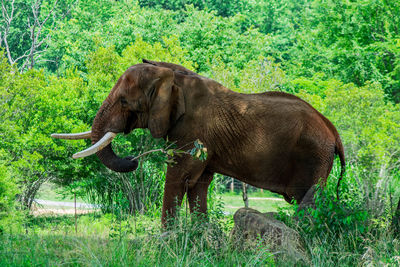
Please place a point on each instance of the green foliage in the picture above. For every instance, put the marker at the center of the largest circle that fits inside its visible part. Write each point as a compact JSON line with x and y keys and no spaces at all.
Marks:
{"x":206,"y":37}
{"x":27,"y":26}
{"x":223,"y":7}
{"x":357,"y":227}
{"x":34,"y":106}
{"x":368,"y":124}
{"x":351,"y":41}
{"x":10,"y":218}
{"x":337,"y":218}
{"x":201,"y":34}
{"x":257,"y":76}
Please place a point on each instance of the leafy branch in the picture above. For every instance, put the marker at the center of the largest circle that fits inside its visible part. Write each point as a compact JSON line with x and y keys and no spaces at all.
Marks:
{"x":199,"y":151}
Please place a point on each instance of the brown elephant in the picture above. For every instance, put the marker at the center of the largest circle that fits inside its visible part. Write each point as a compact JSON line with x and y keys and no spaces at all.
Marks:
{"x":271,"y":140}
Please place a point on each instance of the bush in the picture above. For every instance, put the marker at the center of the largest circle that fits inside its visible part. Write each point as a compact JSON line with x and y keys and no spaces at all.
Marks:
{"x":358,"y":226}
{"x":10,"y":218}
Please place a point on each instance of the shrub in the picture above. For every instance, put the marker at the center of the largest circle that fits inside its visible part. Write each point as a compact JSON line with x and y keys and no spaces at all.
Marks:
{"x":10,"y":218}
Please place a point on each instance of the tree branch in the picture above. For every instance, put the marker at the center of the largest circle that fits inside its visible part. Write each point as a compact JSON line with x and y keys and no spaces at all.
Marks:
{"x":8,"y":19}
{"x":34,"y":27}
{"x":149,"y":152}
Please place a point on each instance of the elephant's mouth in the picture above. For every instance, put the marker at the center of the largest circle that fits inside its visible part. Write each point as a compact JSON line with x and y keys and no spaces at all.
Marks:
{"x":132,"y":123}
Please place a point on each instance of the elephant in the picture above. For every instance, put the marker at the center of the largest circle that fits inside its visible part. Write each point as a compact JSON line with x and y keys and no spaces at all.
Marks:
{"x":271,"y":140}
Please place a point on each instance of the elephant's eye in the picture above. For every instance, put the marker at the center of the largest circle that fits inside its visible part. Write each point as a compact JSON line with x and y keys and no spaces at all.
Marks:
{"x":124,"y":103}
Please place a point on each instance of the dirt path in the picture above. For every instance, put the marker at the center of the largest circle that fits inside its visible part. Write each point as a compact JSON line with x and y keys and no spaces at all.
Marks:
{"x":79,"y":205}
{"x":266,"y":198}
{"x":49,"y":207}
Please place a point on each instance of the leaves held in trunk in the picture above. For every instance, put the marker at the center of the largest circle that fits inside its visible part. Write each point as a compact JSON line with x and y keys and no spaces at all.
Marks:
{"x":199,"y":151}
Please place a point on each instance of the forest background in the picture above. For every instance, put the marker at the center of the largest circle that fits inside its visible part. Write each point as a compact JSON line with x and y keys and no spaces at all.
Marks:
{"x":60,"y":59}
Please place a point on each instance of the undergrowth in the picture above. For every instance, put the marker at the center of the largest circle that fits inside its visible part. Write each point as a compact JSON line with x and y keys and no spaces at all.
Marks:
{"x":186,"y":243}
{"x":355,"y":230}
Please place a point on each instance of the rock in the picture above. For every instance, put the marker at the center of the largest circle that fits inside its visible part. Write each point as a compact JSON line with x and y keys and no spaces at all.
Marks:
{"x":252,"y":226}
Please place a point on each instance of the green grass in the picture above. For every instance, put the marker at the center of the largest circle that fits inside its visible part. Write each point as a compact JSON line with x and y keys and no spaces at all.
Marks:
{"x":103,"y":240}
{"x":82,"y":251}
{"x":106,"y":241}
{"x":345,"y":233}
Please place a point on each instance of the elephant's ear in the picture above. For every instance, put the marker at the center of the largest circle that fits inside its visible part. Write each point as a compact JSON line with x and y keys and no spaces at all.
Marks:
{"x":160,"y":111}
{"x":178,"y":108}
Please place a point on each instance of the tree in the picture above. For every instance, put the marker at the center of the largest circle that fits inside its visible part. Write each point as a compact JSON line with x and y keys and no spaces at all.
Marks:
{"x":38,"y":25}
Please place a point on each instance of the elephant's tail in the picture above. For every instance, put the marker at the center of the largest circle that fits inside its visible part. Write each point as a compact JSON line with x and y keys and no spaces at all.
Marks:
{"x":339,"y":150}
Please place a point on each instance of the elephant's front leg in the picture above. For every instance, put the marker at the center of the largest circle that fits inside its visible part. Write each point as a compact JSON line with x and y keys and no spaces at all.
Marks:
{"x":197,"y":195}
{"x":173,"y":194}
{"x":182,"y":176}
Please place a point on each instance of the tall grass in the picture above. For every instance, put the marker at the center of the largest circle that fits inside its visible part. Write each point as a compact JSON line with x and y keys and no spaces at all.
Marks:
{"x":106,"y":241}
{"x":185,"y":244}
{"x":354,"y":231}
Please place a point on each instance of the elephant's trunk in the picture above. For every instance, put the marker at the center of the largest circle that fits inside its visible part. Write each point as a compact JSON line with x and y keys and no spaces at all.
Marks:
{"x":115,"y":163}
{"x":107,"y":155}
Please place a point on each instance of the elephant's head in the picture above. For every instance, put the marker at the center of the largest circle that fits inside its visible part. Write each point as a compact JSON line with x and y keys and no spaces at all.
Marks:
{"x":143,"y":97}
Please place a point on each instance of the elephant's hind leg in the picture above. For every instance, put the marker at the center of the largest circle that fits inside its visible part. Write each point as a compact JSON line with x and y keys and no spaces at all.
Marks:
{"x":308,"y":200}
{"x":305,"y":180}
{"x":304,"y":177}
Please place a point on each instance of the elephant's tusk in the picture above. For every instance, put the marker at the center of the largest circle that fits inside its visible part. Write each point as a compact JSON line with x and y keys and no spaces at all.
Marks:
{"x":103,"y":142}
{"x":73,"y":136}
